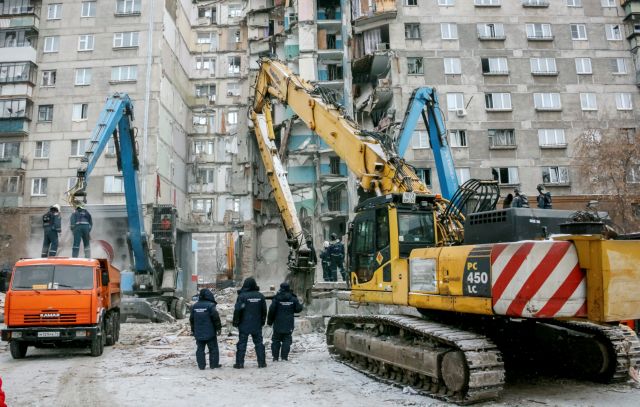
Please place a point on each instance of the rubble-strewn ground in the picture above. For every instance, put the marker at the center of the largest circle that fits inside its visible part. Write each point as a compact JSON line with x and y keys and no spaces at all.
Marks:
{"x":154,"y":365}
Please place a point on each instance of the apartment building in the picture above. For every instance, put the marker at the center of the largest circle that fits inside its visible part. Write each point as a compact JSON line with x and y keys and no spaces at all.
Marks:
{"x":518,"y":81}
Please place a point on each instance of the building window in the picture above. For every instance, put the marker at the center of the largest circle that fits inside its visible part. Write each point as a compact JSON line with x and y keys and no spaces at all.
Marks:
{"x":444,"y":2}
{"x":608,"y":3}
{"x":206,"y":64}
{"x":555,"y":175}
{"x":588,"y":101}
{"x":232,"y":117}
{"x":539,"y":31}
{"x":494,"y":3}
{"x":452,"y":66}
{"x":457,"y":138}
{"x":77,"y":148}
{"x":110,"y":150}
{"x":83,"y":76}
{"x":623,"y":101}
{"x":506,"y":175}
{"x":463,"y":175}
{"x":551,"y":138}
{"x":39,"y":187}
{"x":85,"y":42}
{"x":206,"y":91}
{"x":125,"y":39}
{"x":80,"y":111}
{"x":613,"y":32}
{"x":49,"y":78}
{"x":88,"y":9}
{"x":578,"y":32}
{"x":124,"y":7}
{"x":490,"y":31}
{"x":414,"y":66}
{"x":202,"y":206}
{"x":233,"y":89}
{"x":420,"y":139}
{"x":9,"y":150}
{"x":113,"y":184}
{"x":583,"y":66}
{"x":51,"y":44}
{"x":203,"y":147}
{"x":502,"y":138}
{"x":497,"y":101}
{"x":449,"y":31}
{"x":42,"y":149}
{"x":412,"y":31}
{"x":334,"y":165}
{"x":54,"y":11}
{"x":71,"y":182}
{"x":425,"y":175}
{"x":547,"y":101}
{"x":45,"y":113}
{"x":455,"y":101}
{"x":12,"y":72}
{"x":127,"y":73}
{"x":574,"y":3}
{"x":234,"y":66}
{"x":206,"y":175}
{"x":618,"y":66}
{"x":235,"y":10}
{"x":410,"y":2}
{"x":495,"y":66}
{"x":543,"y":66}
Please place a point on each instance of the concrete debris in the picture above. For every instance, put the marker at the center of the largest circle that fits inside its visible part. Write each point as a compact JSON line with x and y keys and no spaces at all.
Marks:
{"x":409,"y":390}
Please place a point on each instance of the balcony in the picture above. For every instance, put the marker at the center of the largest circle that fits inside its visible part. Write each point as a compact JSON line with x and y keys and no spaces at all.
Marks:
{"x":490,"y":37}
{"x":631,"y":9}
{"x":17,"y":7}
{"x":370,"y":11}
{"x":12,"y":163}
{"x":535,"y":3}
{"x":14,"y":127}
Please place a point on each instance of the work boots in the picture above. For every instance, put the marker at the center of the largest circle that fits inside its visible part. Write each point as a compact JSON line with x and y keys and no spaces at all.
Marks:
{"x":238,"y":366}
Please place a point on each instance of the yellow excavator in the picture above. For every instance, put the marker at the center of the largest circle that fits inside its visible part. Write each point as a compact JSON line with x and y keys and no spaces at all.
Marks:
{"x":489,"y":298}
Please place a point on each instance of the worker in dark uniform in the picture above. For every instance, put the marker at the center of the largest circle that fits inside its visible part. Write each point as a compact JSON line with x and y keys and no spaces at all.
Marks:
{"x":281,"y":311}
{"x":52,"y":226}
{"x":544,"y":198}
{"x":337,"y":258}
{"x":249,"y":316}
{"x":508,"y":200}
{"x":313,"y":256}
{"x":325,"y":257}
{"x":81,"y":225}
{"x":205,"y":327}
{"x":519,"y":200}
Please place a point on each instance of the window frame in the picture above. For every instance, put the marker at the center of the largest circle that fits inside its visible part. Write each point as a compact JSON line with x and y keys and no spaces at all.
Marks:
{"x":51,"y":73}
{"x":458,"y":138}
{"x":588,"y":101}
{"x":57,"y":8}
{"x":617,"y":61}
{"x":89,"y":41}
{"x":120,"y":70}
{"x":51,"y":44}
{"x":580,"y":36}
{"x":48,"y":113}
{"x":42,"y":186}
{"x":543,"y":62}
{"x":558,"y":171}
{"x":504,"y":98}
{"x":129,"y":7}
{"x":610,"y":32}
{"x":541,"y":96}
{"x":109,"y":186}
{"x":451,"y":31}
{"x":86,"y":76}
{"x":579,"y":63}
{"x":120,"y":39}
{"x":83,"y":108}
{"x":420,"y":140}
{"x":487,"y":62}
{"x":42,"y":149}
{"x":511,"y":172}
{"x":621,"y":99}
{"x":509,"y":135}
{"x":91,"y":6}
{"x":558,"y":135}
{"x":418,"y":66}
{"x":409,"y":28}
{"x":459,"y":97}
{"x":543,"y":26}
{"x":485,"y":31}
{"x":450,"y":68}
{"x":77,"y":147}
{"x":574,"y":3}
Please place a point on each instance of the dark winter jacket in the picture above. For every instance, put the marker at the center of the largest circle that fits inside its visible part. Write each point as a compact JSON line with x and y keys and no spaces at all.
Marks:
{"x":81,"y":216}
{"x":204,"y":319}
{"x":282,"y":308}
{"x":52,"y":221}
{"x":250,"y":312}
{"x":544,"y":200}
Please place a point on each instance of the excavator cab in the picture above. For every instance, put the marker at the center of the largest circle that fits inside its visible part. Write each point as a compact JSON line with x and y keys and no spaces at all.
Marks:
{"x":385,"y":230}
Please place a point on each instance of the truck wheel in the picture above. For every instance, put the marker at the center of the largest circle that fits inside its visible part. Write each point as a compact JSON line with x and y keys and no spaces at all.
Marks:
{"x":178,"y":308}
{"x":109,"y":333}
{"x":18,"y":349}
{"x":97,"y":343}
{"x":116,"y":321}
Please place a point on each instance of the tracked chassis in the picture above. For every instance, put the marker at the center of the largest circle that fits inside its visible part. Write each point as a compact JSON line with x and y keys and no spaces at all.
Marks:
{"x":465,"y":367}
{"x":435,"y":359}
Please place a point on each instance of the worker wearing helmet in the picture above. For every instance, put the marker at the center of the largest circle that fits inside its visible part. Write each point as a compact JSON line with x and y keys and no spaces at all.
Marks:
{"x":336,"y":249}
{"x":52,"y":226}
{"x":325,"y":257}
{"x":81,"y":225}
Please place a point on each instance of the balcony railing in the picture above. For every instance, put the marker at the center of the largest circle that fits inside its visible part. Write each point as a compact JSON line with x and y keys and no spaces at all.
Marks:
{"x":535,"y":3}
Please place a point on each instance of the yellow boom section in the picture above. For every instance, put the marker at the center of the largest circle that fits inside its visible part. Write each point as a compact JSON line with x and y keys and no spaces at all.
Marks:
{"x":376,"y":169}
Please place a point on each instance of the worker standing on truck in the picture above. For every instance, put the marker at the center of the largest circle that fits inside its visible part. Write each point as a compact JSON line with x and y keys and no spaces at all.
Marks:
{"x":283,"y":306}
{"x":519,"y":200}
{"x":544,"y":198}
{"x":205,"y":327}
{"x":81,"y":225}
{"x":249,"y":316}
{"x":52,"y":226}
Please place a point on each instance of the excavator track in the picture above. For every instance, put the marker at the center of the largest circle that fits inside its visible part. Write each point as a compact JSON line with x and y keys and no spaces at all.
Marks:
{"x":435,"y":359}
{"x":620,"y":343}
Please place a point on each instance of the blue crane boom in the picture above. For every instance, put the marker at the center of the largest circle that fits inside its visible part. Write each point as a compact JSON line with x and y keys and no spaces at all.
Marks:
{"x":424,"y":103}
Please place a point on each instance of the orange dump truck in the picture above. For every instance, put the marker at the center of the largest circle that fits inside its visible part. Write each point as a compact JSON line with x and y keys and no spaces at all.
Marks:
{"x":62,"y":302}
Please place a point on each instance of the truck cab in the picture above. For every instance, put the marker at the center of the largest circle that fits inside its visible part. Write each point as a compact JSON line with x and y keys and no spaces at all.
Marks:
{"x":55,"y":302}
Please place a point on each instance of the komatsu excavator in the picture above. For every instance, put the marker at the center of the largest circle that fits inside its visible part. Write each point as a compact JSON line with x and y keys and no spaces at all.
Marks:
{"x":485,"y":305}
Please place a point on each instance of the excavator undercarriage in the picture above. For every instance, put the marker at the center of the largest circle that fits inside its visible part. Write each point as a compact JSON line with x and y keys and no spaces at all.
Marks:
{"x":465,"y":362}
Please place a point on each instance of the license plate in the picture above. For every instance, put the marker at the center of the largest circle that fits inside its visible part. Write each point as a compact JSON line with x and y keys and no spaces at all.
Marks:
{"x":409,"y":197}
{"x":48,"y":334}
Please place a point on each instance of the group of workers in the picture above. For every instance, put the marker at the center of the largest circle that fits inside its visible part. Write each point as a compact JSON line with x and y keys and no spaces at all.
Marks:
{"x":249,"y":316}
{"x":520,"y":200}
{"x":81,"y":224}
{"x":332,"y":258}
